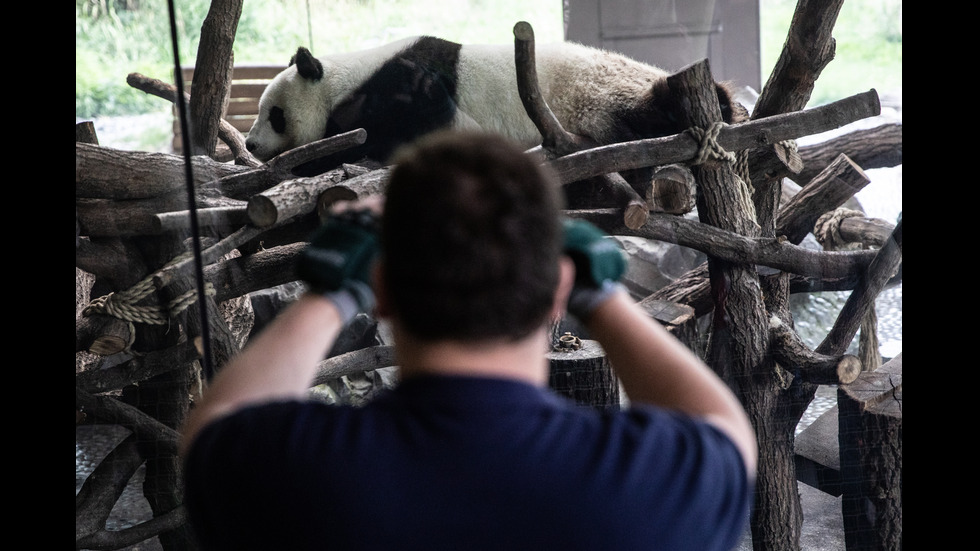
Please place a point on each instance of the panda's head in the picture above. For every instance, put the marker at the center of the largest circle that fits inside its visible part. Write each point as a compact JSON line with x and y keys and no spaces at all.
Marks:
{"x":293,"y":108}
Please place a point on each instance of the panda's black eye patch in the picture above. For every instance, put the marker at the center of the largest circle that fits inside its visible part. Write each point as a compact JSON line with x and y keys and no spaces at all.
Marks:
{"x":277,"y":118}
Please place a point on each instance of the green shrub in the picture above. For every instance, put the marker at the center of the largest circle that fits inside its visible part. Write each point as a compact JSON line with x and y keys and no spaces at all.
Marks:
{"x":868,"y":53}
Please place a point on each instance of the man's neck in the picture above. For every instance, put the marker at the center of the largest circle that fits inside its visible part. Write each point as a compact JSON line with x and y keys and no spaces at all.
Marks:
{"x":523,"y":360}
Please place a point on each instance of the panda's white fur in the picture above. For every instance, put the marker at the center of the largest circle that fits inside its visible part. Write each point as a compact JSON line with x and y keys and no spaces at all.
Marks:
{"x":308,"y":103}
{"x":594,"y":93}
{"x":583,"y":86}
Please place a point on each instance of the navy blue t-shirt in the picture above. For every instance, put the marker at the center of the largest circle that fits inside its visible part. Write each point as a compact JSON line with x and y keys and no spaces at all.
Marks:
{"x":460,"y":463}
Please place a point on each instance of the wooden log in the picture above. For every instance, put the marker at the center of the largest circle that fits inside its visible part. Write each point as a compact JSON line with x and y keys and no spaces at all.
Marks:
{"x":789,"y":155}
{"x":870,"y":433}
{"x":236,"y":215}
{"x":113,"y":261}
{"x":862,"y":298}
{"x":129,"y":537}
{"x":360,"y":185}
{"x":111,"y":410}
{"x":672,"y":190}
{"x":837,"y":183}
{"x":243,"y":185}
{"x":765,"y":164}
{"x":795,"y":220}
{"x":690,"y":288}
{"x":288,"y":199}
{"x":876,"y":147}
{"x":141,"y":217}
{"x":733,"y":247}
{"x":358,"y":361}
{"x":215,"y":217}
{"x":738,"y":341}
{"x":249,"y":273}
{"x":816,"y":454}
{"x":85,"y":133}
{"x":212,"y":78}
{"x":792,"y":353}
{"x":870,"y":232}
{"x":204,"y":320}
{"x":102,"y":335}
{"x":286,"y":161}
{"x":107,"y":173}
{"x":678,"y":319}
{"x":112,"y":174}
{"x":166,"y":275}
{"x":583,"y":374}
{"x":103,"y":486}
{"x":302,"y":195}
{"x":682,"y":148}
{"x":136,"y":369}
{"x":555,"y":138}
{"x":107,"y":218}
{"x":808,"y":49}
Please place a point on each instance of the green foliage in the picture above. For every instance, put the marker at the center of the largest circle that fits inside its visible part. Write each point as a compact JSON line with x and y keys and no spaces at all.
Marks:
{"x":868,"y":36}
{"x":111,"y":42}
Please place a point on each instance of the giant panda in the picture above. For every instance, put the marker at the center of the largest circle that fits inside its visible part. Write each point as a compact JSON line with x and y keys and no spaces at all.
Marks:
{"x":402,"y":90}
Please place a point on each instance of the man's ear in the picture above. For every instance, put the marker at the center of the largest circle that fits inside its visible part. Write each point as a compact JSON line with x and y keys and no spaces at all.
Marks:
{"x":566,"y":279}
{"x":382,"y":303}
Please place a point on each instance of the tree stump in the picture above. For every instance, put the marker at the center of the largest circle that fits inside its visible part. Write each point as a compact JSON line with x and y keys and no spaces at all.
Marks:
{"x":870,"y":434}
{"x":580,"y":371}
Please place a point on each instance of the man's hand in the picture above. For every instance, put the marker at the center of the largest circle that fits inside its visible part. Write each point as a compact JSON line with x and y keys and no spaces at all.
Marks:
{"x":599,"y":264}
{"x":337,"y":262}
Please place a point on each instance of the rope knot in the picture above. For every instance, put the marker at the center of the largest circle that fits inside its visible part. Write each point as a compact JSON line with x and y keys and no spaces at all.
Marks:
{"x":124,"y":304}
{"x":708,"y":144}
{"x":827,"y":227}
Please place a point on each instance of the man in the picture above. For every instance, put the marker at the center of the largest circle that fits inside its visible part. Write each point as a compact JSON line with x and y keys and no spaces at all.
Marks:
{"x":470,"y":450}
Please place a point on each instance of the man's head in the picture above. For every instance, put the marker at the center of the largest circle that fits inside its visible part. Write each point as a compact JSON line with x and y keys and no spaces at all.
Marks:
{"x":471,"y":239}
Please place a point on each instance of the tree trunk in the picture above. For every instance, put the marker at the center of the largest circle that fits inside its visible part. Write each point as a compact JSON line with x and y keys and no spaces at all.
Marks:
{"x":212,"y":74}
{"x":580,"y":371}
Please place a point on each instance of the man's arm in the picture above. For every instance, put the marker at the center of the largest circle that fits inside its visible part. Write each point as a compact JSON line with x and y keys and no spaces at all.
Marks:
{"x":656,"y":368}
{"x":279,"y":363}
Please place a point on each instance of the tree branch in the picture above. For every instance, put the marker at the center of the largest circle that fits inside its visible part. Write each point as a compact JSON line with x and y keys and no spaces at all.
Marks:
{"x":226,"y":132}
{"x":792,"y":353}
{"x":111,"y":410}
{"x":555,"y":139}
{"x":682,"y":147}
{"x":733,"y":247}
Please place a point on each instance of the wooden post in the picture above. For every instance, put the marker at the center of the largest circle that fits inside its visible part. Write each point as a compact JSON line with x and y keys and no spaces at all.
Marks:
{"x":870,"y":436}
{"x":583,"y":374}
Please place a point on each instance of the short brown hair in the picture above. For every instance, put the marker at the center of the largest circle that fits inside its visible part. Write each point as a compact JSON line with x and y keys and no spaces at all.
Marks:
{"x":471,"y":238}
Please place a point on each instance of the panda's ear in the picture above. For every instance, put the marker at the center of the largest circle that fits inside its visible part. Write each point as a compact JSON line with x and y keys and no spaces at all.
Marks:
{"x":308,"y":66}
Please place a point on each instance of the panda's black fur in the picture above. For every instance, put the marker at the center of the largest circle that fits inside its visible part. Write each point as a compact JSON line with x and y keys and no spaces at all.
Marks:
{"x":407,"y":89}
{"x":411,"y":95}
